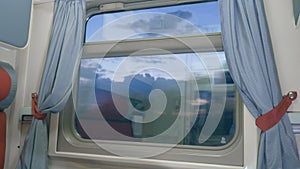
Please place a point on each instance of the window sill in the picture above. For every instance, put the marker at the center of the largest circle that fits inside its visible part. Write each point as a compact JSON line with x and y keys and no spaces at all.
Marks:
{"x":115,"y":161}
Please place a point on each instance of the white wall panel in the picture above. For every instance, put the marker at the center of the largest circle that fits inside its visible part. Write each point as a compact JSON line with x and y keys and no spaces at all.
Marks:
{"x":286,"y":43}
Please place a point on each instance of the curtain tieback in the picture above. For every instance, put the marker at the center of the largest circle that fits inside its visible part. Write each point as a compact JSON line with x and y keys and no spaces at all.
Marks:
{"x":270,"y":119}
{"x":35,"y":112}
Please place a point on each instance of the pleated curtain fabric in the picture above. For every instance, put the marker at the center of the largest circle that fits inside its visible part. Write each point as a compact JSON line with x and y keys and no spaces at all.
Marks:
{"x":251,"y":62}
{"x":56,"y":85}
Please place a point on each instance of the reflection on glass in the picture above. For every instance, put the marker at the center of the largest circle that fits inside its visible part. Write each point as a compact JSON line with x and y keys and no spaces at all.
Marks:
{"x":200,"y":18}
{"x":141,"y":97}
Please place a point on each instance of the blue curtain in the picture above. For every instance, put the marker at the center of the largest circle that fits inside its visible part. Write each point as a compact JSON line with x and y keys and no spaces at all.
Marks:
{"x":56,"y":85}
{"x":251,"y":62}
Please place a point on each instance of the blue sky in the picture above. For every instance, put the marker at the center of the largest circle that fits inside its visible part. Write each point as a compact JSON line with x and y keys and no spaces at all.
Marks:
{"x":201,"y":15}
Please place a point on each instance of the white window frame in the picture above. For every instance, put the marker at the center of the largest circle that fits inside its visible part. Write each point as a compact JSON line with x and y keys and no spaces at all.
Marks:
{"x":65,"y":142}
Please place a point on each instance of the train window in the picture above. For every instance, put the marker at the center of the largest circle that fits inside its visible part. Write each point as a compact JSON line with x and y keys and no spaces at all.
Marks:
{"x":152,"y":99}
{"x":154,"y":83}
{"x":145,"y":23}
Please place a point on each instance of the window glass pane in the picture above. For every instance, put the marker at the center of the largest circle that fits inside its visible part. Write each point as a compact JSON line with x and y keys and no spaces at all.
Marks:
{"x":200,"y":18}
{"x":15,"y":16}
{"x":186,"y":98}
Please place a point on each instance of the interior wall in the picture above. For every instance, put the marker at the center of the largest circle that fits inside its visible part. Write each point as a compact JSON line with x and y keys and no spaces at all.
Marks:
{"x":40,"y":33}
{"x":286,"y":43}
{"x":8,"y":55}
{"x":29,"y":66}
{"x":29,"y":62}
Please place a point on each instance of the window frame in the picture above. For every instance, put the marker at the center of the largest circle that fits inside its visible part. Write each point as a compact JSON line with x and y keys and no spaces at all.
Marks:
{"x":69,"y":141}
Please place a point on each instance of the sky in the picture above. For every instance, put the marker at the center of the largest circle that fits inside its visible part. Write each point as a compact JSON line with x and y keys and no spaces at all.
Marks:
{"x":164,"y":21}
{"x":182,"y":19}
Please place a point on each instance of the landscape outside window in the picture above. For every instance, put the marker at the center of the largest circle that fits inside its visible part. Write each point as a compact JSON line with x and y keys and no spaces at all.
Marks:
{"x":185,"y":98}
